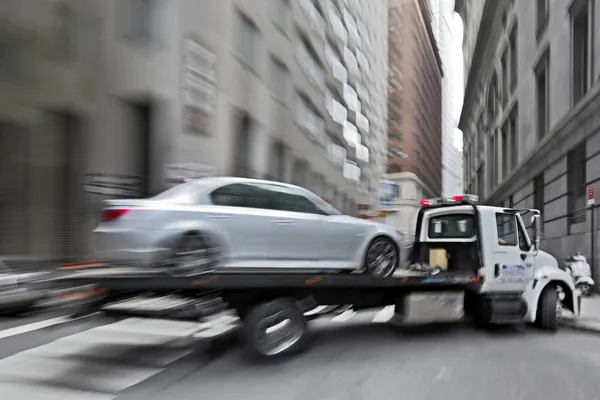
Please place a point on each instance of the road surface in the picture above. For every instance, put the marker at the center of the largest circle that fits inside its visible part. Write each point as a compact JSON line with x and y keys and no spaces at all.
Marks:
{"x":352,"y":356}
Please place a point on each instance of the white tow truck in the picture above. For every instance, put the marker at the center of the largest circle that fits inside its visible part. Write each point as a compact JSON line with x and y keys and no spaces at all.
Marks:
{"x":519,"y":281}
{"x":483,"y":253}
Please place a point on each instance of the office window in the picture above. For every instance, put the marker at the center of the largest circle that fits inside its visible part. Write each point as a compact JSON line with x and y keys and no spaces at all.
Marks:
{"x":480,"y":180}
{"x":67,"y":32}
{"x":542,"y":95}
{"x":280,"y":14}
{"x":514,"y":62}
{"x":141,"y":19}
{"x":538,"y":193}
{"x":491,"y":161}
{"x":505,"y":85}
{"x":582,"y":48}
{"x":542,"y":15}
{"x":492,"y":101}
{"x":576,"y":181}
{"x":514,"y":138}
{"x":505,"y":155}
{"x":247,"y":41}
{"x":279,"y":80}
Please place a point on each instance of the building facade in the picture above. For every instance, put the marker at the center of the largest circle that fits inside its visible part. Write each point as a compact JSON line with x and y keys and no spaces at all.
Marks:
{"x":125,"y":97}
{"x":415,"y":94}
{"x":401,"y":210}
{"x":452,"y":175}
{"x":530,"y":121}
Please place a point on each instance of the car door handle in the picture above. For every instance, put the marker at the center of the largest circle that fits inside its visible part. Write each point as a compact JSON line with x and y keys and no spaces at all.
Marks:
{"x":219,"y":217}
{"x":523,"y":256}
{"x":283,"y":222}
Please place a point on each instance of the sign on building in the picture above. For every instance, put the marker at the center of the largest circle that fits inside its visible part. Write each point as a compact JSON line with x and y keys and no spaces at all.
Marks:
{"x":199,"y":88}
{"x":114,"y":185}
{"x":388,"y":193}
{"x":179,"y":173}
{"x":591,"y":195}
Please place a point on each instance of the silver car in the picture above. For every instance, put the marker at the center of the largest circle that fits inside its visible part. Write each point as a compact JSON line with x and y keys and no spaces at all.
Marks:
{"x":238,"y":224}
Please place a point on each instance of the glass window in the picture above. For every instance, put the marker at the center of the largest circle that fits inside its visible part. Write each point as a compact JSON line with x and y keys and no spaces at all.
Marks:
{"x":452,"y":226}
{"x":182,"y":193}
{"x":241,"y":195}
{"x":507,"y":229}
{"x":247,"y":41}
{"x":523,"y":245}
{"x":287,"y":199}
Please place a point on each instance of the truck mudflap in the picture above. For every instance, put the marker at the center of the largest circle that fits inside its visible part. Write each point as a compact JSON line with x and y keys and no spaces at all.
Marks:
{"x":501,"y":308}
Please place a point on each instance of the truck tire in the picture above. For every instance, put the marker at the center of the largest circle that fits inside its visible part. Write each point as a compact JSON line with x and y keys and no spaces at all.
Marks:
{"x":547,"y":311}
{"x":275,"y":329}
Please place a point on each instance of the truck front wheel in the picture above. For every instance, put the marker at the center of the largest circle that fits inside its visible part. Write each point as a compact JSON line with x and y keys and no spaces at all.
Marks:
{"x":275,"y":328}
{"x":549,"y":309}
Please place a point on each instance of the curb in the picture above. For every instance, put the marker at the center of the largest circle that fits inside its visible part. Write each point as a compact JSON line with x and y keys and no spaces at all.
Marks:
{"x":581,"y":325}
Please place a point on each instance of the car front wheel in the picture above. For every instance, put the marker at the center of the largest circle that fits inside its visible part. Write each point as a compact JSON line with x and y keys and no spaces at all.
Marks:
{"x":382,"y":258}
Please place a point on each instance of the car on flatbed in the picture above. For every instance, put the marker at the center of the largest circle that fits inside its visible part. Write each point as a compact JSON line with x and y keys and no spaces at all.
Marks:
{"x":239,"y":224}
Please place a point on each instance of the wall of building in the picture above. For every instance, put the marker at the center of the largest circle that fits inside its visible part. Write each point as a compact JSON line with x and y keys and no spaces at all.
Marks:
{"x":124,"y":77}
{"x":541,"y":155}
{"x":415,"y":107}
{"x":402,"y":213}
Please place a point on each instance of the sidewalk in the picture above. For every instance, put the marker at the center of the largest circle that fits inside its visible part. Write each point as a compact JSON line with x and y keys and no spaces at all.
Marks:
{"x":589,"y":319}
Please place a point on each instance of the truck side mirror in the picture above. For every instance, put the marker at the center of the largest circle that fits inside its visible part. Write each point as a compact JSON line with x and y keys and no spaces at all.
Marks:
{"x":537,"y":228}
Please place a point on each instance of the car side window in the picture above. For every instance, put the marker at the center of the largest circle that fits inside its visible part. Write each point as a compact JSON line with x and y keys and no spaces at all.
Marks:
{"x":287,"y":199}
{"x":241,"y":195}
{"x":506,"y":224}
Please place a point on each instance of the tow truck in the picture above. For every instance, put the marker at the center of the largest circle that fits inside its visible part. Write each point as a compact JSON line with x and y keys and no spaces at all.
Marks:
{"x":484,"y":253}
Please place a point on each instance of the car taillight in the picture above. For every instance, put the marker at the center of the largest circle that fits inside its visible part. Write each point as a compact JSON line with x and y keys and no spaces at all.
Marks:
{"x":113,"y":214}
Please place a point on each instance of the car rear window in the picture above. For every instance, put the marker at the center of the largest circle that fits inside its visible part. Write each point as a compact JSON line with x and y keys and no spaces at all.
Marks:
{"x":182,"y":193}
{"x":451,"y":226}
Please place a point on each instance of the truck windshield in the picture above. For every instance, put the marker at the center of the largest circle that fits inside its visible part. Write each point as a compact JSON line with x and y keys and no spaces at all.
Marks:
{"x":451,"y":226}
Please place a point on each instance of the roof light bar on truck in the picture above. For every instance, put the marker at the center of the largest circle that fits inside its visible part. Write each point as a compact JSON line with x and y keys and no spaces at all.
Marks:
{"x":455,"y":199}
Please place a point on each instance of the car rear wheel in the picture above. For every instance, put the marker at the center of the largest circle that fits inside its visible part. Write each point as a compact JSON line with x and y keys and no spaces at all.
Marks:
{"x":194,"y":254}
{"x":382,"y":258}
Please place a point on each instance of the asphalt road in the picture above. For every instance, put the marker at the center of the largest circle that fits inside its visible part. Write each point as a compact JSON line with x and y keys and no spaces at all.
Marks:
{"x":349,"y":358}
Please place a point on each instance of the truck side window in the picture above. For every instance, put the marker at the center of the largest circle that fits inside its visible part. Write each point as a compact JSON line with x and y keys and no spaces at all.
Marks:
{"x":523,"y":239}
{"x":506,"y":225}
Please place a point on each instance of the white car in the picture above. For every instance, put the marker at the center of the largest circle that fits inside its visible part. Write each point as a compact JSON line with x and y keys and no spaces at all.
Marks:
{"x":244,"y":224}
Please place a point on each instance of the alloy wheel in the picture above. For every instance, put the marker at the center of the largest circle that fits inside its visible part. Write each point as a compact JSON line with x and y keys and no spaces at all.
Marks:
{"x":382,"y":258}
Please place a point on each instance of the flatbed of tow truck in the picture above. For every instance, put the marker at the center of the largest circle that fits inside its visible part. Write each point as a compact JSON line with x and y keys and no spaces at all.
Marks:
{"x":161,"y":279}
{"x":279,"y":300}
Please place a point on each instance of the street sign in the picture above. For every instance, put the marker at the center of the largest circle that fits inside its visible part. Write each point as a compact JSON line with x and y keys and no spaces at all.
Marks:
{"x":591,"y":195}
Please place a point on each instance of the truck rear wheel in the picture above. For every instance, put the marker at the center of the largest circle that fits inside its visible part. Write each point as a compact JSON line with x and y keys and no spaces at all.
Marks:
{"x":549,"y":309}
{"x":275,"y":328}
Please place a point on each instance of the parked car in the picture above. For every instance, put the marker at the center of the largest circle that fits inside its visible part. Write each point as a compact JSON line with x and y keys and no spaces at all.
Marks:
{"x":16,"y":295}
{"x":244,"y":224}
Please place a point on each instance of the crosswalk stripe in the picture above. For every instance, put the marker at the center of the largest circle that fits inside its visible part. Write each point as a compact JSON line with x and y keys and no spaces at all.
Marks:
{"x":384,"y":315}
{"x":345,"y":316}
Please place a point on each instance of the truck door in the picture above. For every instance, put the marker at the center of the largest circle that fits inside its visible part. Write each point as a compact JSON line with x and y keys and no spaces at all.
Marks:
{"x":513,"y":256}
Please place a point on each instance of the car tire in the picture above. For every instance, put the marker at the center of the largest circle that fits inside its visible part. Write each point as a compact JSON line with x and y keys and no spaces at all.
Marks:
{"x":382,"y":258}
{"x":548,"y":309}
{"x":290,"y":338}
{"x":194,"y":254}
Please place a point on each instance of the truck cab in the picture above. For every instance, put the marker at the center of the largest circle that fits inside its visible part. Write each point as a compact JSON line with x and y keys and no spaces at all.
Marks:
{"x":518,"y":281}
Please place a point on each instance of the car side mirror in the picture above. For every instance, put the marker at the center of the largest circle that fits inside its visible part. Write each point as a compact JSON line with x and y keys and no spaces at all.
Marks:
{"x":537,"y":228}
